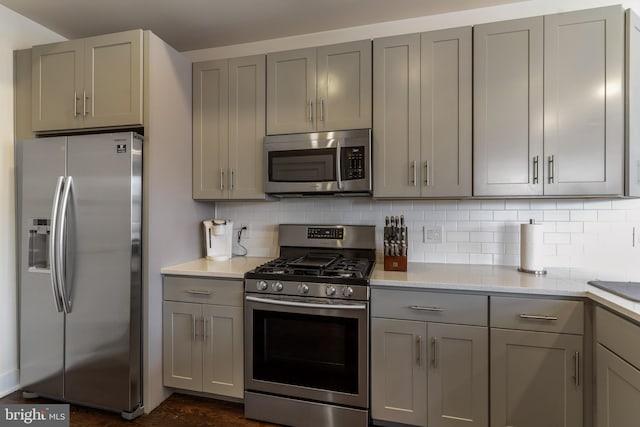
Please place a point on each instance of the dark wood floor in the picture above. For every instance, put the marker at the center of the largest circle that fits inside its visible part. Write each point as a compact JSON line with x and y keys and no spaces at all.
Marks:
{"x":178,"y":410}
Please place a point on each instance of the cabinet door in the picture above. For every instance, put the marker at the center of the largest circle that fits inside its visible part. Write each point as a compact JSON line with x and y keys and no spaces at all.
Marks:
{"x":458,"y":377}
{"x":113,"y":80}
{"x":584,"y":102}
{"x":57,"y":85}
{"x":210,"y":129}
{"x":536,"y":379}
{"x":344,"y":86}
{"x":246,"y":127}
{"x":507,"y":108}
{"x":223,"y":351}
{"x":182,"y":345}
{"x":446,"y":113}
{"x":291,"y":91}
{"x":396,"y":116}
{"x":617,"y":390}
{"x":399,"y":371}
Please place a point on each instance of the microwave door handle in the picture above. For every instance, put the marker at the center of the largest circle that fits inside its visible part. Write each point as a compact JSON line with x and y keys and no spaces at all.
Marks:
{"x":338,"y":165}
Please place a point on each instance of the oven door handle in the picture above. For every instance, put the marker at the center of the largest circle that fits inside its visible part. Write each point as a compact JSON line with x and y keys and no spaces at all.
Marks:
{"x":306,"y":304}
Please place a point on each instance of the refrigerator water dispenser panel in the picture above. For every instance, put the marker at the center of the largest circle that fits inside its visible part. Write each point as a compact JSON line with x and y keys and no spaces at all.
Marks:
{"x":39,"y":233}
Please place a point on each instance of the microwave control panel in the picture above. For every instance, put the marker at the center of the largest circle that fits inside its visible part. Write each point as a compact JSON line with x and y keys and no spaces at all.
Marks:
{"x":353,"y":163}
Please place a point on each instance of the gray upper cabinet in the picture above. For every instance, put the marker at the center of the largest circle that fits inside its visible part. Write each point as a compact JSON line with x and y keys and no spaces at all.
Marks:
{"x":422,"y":114}
{"x":584,"y":102}
{"x":508,"y":119}
{"x":562,"y":137}
{"x":319,"y":89}
{"x":88,"y":83}
{"x":633,"y":105}
{"x":228,"y":128}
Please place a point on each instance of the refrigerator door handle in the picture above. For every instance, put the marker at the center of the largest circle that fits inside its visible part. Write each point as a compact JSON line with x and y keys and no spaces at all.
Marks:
{"x":61,"y":247}
{"x":53,"y":245}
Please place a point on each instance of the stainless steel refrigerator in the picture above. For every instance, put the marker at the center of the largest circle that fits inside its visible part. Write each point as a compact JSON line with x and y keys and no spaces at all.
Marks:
{"x":79,"y":210}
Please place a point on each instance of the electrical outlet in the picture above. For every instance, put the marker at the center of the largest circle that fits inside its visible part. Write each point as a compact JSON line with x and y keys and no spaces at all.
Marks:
{"x":432,"y":234}
{"x":246,"y":234}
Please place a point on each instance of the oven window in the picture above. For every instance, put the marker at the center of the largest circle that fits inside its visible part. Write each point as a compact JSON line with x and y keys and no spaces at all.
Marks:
{"x":317,"y":165}
{"x":306,"y":350}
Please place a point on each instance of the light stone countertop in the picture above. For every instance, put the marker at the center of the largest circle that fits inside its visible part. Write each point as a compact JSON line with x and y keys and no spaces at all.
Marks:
{"x":458,"y":277}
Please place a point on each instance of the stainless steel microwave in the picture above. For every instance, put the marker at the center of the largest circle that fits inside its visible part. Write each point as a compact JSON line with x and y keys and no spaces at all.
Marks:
{"x":323,"y":163}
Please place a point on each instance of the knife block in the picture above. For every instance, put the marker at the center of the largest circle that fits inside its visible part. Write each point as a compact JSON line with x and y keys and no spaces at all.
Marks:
{"x":395,"y":263}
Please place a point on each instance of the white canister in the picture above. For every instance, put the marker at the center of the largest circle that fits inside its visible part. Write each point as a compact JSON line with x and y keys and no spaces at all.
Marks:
{"x":531,"y":248}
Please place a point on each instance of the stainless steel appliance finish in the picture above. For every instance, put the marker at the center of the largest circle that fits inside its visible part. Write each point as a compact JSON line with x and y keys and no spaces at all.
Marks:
{"x":307,"y":328}
{"x":80,"y":275}
{"x":324,"y":163}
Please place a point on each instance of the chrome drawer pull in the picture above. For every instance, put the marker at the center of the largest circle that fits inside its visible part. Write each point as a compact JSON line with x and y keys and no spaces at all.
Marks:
{"x":537,"y":317}
{"x":419,"y":308}
{"x":194,"y":292}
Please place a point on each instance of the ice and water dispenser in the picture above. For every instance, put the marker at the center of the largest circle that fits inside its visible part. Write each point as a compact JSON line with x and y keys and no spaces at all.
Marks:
{"x":39,"y":234}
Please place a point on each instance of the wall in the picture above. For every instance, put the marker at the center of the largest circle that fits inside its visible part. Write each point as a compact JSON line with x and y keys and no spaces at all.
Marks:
{"x":593,"y":238}
{"x":16,"y":32}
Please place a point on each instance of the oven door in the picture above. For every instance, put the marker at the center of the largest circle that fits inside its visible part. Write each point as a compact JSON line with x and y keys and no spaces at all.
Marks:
{"x":308,"y":348}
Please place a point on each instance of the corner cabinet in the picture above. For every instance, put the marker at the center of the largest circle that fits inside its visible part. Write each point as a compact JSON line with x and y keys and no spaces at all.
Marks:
{"x":429,"y":358}
{"x":617,"y":358}
{"x":202,"y":331}
{"x":422,"y":114}
{"x":228,"y":128}
{"x":561,"y":138}
{"x":536,"y":362}
{"x":319,"y":89}
{"x":88,"y":83}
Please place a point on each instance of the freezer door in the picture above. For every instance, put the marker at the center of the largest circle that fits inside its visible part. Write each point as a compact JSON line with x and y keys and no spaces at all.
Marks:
{"x":39,"y":164}
{"x":103,"y":271}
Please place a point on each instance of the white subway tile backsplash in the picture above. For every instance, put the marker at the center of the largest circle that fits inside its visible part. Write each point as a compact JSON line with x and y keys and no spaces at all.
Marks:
{"x":590,"y":236}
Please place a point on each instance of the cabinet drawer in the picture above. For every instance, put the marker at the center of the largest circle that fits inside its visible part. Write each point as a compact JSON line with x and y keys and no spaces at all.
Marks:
{"x":429,"y":306}
{"x":618,"y":335}
{"x":199,"y":290}
{"x":531,"y":314}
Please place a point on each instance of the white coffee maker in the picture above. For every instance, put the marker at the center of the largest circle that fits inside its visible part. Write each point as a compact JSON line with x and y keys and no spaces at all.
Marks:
{"x":218,"y":238}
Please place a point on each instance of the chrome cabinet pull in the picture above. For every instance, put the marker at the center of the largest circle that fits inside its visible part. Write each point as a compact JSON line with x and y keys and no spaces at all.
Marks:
{"x":413,"y":178}
{"x":221,"y":179}
{"x":421,"y":308}
{"x":75,"y":104}
{"x":536,"y":178}
{"x":84,"y":103}
{"x":537,"y":317}
{"x":310,"y":110}
{"x":418,"y":350}
{"x":551,"y":168}
{"x":231,"y":180}
{"x":205,"y":325}
{"x":426,"y":173}
{"x":196,"y":292}
{"x":434,"y":352}
{"x":576,"y":376}
{"x":322,"y":110}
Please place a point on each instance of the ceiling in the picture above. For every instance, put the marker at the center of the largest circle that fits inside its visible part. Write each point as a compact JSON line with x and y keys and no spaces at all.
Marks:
{"x":197,"y":24}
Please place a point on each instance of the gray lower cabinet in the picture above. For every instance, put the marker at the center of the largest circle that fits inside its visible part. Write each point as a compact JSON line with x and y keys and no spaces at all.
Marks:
{"x":427,"y":373}
{"x":617,"y":360}
{"x":563,"y":137}
{"x":203,"y":335}
{"x":228,"y":128}
{"x":422,"y":114}
{"x":537,"y":358}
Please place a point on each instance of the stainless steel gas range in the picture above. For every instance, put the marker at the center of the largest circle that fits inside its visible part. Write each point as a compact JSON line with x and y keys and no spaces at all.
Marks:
{"x":307,"y":328}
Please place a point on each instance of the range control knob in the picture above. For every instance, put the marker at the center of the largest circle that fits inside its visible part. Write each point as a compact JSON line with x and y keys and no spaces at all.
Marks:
{"x":262,"y":285}
{"x":277,"y":286}
{"x":303,"y":289}
{"x":347,"y":291}
{"x":330,"y":291}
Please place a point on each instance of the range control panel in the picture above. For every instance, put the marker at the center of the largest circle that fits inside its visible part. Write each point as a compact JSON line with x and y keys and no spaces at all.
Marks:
{"x":325,"y":233}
